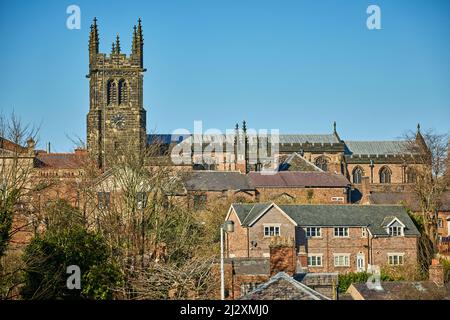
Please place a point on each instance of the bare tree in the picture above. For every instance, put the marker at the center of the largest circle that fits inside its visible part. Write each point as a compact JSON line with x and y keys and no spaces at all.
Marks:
{"x":135,"y":205}
{"x":428,"y":153}
{"x":17,"y":141}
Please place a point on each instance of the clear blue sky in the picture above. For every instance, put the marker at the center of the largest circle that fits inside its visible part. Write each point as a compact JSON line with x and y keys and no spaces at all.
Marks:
{"x":291,"y":65}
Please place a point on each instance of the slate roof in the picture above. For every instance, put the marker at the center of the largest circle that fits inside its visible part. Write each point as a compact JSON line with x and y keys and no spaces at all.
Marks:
{"x":284,"y":138}
{"x":407,"y":199}
{"x":60,"y":160}
{"x":308,"y":138}
{"x":295,"y":162}
{"x":287,"y":179}
{"x":166,"y":138}
{"x":250,"y":266}
{"x":404,"y":290}
{"x":376,"y":147}
{"x":216,"y":181}
{"x":370,"y":216}
{"x":283,"y":287}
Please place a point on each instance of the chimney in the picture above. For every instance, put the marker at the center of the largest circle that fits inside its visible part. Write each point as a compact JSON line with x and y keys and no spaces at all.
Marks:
{"x":436,"y":273}
{"x":80,"y":151}
{"x":31,"y":144}
{"x":365,"y":190}
{"x":303,"y":258}
{"x":283,"y":256}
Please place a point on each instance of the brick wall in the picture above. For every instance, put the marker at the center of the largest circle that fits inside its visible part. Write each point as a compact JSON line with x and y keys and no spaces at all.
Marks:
{"x":302,"y":195}
{"x":256,"y":232}
{"x":355,"y":245}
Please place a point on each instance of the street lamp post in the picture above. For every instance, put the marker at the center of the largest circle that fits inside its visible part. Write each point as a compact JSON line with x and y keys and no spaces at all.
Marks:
{"x":228,"y":227}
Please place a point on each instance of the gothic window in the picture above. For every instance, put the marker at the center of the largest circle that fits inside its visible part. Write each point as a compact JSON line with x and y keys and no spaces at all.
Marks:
{"x":322,"y":163}
{"x":385,"y":175}
{"x":411,"y":176}
{"x":111,"y":92}
{"x":357,"y":174}
{"x":123,"y":92}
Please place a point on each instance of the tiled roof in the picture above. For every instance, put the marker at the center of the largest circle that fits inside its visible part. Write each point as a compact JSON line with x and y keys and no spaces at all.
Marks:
{"x":283,"y":287}
{"x":370,"y":216}
{"x":295,"y":162}
{"x":308,"y":138}
{"x":286,"y":179}
{"x":216,"y":181}
{"x":407,"y":199}
{"x":60,"y":160}
{"x":283,"y":138}
{"x":403,"y":290}
{"x":250,"y":266}
{"x":166,"y":138}
{"x":377,"y":147}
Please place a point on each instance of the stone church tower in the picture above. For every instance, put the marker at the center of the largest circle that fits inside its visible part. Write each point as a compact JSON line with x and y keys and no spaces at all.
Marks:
{"x":116,"y":121}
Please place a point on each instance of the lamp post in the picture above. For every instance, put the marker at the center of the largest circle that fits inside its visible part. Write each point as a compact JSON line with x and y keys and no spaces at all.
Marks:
{"x":228,"y":227}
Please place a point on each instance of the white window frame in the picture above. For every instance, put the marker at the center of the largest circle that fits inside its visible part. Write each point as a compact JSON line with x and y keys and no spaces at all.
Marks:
{"x":398,"y":233}
{"x":344,"y":256}
{"x":345,"y":232}
{"x":317,"y":256}
{"x":398,"y":255}
{"x":274,"y":226}
{"x":318,"y":232}
{"x":363,"y":232}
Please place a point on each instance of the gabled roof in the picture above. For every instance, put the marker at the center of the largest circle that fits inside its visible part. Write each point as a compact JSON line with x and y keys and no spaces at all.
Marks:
{"x":377,"y":147}
{"x":283,"y":287}
{"x":408,"y":199}
{"x":283,"y":138}
{"x":295,"y":162}
{"x":401,"y":290}
{"x":216,"y":181}
{"x":286,"y":179}
{"x":370,"y":216}
{"x":60,"y":160}
{"x":308,"y":138}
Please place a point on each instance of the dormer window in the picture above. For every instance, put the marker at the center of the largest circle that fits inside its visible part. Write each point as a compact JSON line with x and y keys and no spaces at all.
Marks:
{"x":395,"y":231}
{"x":395,"y":228}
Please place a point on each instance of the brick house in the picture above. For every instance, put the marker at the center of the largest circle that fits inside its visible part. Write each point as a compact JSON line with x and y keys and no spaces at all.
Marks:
{"x":409,"y":200}
{"x":328,"y":238}
{"x":293,"y":187}
{"x":259,"y":278}
{"x":435,"y":288}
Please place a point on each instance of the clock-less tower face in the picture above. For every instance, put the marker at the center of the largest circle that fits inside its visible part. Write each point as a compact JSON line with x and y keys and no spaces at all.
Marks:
{"x":116,"y":116}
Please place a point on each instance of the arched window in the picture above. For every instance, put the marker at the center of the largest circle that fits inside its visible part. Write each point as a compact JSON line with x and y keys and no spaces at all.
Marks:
{"x":322,"y":163}
{"x":411,"y":175}
{"x":123,"y":92}
{"x":385,"y":175}
{"x":111,"y":92}
{"x":357,"y":174}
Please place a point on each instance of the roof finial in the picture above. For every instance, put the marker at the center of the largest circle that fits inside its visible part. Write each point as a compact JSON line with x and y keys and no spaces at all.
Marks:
{"x":93,"y":38}
{"x":334,"y":126}
{"x":117,"y":44}
{"x":244,"y":126}
{"x":418,"y":128}
{"x":113,"y":49}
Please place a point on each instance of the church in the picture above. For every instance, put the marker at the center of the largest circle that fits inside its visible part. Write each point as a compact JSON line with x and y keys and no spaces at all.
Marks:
{"x":117,"y":117}
{"x":116,"y":120}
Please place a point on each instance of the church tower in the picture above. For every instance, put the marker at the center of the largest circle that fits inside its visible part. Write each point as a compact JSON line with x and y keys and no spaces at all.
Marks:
{"x":116,"y":121}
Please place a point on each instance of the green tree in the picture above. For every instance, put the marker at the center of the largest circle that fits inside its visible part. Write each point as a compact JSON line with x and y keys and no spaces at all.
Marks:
{"x":47,"y":258}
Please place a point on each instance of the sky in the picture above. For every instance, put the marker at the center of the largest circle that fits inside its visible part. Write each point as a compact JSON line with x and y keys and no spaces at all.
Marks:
{"x":295,"y":66}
